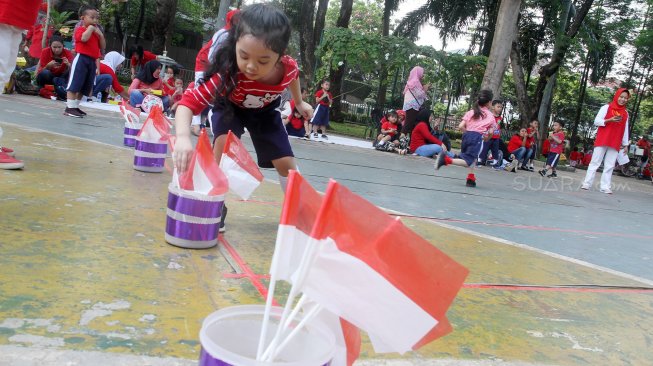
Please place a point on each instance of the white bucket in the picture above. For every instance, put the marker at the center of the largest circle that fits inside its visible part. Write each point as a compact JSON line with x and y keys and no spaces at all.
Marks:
{"x":230,"y":336}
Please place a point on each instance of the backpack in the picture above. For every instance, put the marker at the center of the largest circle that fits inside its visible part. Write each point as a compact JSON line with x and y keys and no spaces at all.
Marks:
{"x":24,"y":83}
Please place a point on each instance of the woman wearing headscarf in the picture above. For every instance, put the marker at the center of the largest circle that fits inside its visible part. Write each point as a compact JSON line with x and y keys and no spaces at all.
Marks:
{"x":111,"y":63}
{"x":612,"y":136}
{"x":147,"y":81}
{"x":414,"y":94}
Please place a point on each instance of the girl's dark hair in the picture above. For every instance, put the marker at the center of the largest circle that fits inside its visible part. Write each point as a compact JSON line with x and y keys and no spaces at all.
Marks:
{"x":146,"y":74}
{"x":388,"y":114}
{"x":136,"y":49}
{"x":175,"y":69}
{"x":484,"y":97}
{"x":324,"y":81}
{"x":422,"y":116}
{"x":262,"y":21}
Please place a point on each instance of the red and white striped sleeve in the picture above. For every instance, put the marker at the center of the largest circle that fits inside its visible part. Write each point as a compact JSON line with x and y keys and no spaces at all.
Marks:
{"x":203,"y":95}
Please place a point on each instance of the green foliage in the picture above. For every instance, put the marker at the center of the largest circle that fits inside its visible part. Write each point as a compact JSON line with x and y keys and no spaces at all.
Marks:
{"x":62,"y":21}
{"x":366,"y":16}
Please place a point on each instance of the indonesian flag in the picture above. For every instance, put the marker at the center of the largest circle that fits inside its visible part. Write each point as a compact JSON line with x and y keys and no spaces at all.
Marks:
{"x":379,"y":275}
{"x":298,"y":215}
{"x":203,"y":174}
{"x":241,"y":171}
{"x":156,"y":127}
{"x":129,"y":113}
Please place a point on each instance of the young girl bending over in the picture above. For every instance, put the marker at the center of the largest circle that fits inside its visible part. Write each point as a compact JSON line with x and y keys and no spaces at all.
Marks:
{"x":244,"y":84}
{"x":477,"y":125}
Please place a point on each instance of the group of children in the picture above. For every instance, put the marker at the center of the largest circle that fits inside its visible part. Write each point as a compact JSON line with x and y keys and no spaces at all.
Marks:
{"x":298,"y":126}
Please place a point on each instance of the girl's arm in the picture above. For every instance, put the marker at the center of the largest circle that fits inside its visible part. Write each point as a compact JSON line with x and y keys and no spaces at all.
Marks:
{"x":600,"y":120}
{"x":183,"y":147}
{"x":87,"y":33}
{"x":304,"y":108}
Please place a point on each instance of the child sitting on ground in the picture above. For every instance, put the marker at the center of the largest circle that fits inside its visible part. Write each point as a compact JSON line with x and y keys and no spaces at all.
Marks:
{"x":295,"y":124}
{"x":389,"y":128}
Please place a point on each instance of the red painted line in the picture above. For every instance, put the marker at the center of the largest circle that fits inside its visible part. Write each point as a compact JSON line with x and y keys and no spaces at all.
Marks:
{"x":254,"y":278}
{"x":530,"y":227}
{"x":556,"y":289}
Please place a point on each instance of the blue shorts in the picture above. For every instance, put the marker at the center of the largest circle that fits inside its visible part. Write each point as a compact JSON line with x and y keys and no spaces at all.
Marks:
{"x":264,"y":125}
{"x":82,"y":75}
{"x":321,"y":116}
{"x":552,"y":159}
{"x":471,"y":147}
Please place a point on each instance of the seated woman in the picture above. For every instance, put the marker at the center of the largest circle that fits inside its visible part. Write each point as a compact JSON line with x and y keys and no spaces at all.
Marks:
{"x":111,"y":63}
{"x":422,"y":142}
{"x":148,"y":82}
{"x":54,"y":62}
{"x":519,"y":148}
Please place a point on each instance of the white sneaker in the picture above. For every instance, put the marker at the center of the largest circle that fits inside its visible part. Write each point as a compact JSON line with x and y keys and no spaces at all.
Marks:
{"x":606,"y":191}
{"x":585,"y":187}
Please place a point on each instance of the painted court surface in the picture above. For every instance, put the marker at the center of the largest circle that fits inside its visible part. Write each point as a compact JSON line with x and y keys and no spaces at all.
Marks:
{"x":557,"y":276}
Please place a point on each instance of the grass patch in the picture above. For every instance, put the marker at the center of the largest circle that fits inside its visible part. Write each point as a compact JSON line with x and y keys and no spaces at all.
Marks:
{"x":347,"y":129}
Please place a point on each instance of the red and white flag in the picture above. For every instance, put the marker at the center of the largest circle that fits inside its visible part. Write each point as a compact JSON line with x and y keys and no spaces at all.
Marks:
{"x":300,"y":208}
{"x":241,"y":171}
{"x":373,"y":271}
{"x":129,"y":113}
{"x":156,"y":127}
{"x":203,"y":174}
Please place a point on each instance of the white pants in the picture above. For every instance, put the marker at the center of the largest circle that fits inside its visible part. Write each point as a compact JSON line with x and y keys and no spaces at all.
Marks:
{"x":8,"y":52}
{"x":599,"y":153}
{"x":197,"y":120}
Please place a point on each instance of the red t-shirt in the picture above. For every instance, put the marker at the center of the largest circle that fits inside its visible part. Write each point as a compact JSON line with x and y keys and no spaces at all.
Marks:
{"x":147,"y":56}
{"x":546,"y":147}
{"x":106,"y":69}
{"x":89,"y":48}
{"x":47,"y":56}
{"x":497,"y":131}
{"x":515,"y":143}
{"x":325,"y":102}
{"x":387,"y":125}
{"x":530,"y":140}
{"x":21,"y":14}
{"x":558,"y":147}
{"x":296,"y":123}
{"x":587,"y":158}
{"x":248,"y":94}
{"x":421,"y":135}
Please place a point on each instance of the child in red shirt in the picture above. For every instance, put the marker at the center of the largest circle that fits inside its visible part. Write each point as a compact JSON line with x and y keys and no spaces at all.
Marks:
{"x":323,"y":98}
{"x":88,"y":42}
{"x":557,"y":140}
{"x":389,"y":128}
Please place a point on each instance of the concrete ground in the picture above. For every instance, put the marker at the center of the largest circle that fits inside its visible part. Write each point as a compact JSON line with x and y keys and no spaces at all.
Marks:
{"x":558,"y":276}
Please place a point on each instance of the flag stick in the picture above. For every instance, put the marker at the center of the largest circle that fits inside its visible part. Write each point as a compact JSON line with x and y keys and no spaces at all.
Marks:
{"x":311,"y":314}
{"x":284,"y":327}
{"x":269,"y":298}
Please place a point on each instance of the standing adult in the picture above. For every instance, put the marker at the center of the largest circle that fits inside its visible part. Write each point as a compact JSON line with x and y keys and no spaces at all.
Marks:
{"x":54,"y":62}
{"x":138,"y":58}
{"x":14,"y":17}
{"x":612,"y":136}
{"x":414,"y":95}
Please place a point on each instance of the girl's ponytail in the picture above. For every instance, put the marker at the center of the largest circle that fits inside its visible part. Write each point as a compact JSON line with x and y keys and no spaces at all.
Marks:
{"x":485,"y":96}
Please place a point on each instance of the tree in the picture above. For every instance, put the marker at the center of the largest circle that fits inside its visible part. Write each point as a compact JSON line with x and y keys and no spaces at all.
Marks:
{"x":501,"y":44}
{"x":389,"y":7}
{"x":339,"y":75}
{"x":161,"y":27}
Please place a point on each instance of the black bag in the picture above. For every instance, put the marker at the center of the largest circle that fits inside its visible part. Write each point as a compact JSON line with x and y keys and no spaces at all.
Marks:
{"x":24,"y":83}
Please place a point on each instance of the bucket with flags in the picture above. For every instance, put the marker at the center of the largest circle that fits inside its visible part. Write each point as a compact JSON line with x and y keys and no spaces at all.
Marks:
{"x":152,"y":143}
{"x":132,"y":123}
{"x":195,"y":200}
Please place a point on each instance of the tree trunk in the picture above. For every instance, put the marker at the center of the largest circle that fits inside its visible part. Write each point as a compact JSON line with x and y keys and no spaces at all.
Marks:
{"x":320,"y":18}
{"x":520,"y":85}
{"x":641,"y":87}
{"x":163,"y":22}
{"x":44,"y":41}
{"x":581,"y":100}
{"x":222,"y":13}
{"x":492,"y":11}
{"x":141,"y":18}
{"x":501,"y":45}
{"x":338,"y":77}
{"x":383,"y":73}
{"x":306,"y":41}
{"x":559,"y":52}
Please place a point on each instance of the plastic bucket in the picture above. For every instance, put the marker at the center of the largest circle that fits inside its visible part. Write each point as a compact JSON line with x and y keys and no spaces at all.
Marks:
{"x":229,"y":337}
{"x":193,"y":219}
{"x":150,"y":156}
{"x":130,"y":132}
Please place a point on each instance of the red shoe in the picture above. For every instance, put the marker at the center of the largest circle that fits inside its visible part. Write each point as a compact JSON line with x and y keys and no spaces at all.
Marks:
{"x":7,"y":151}
{"x":8,"y":162}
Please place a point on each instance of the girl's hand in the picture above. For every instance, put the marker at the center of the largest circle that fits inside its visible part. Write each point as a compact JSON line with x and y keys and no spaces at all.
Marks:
{"x":305,"y":110}
{"x":147,"y":91}
{"x":615,"y":119}
{"x":65,"y":61}
{"x":182,"y":153}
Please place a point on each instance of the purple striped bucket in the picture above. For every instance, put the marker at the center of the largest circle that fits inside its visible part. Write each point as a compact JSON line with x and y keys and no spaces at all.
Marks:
{"x":193,"y":219}
{"x":150,"y":156}
{"x":130,"y":132}
{"x":229,"y":337}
